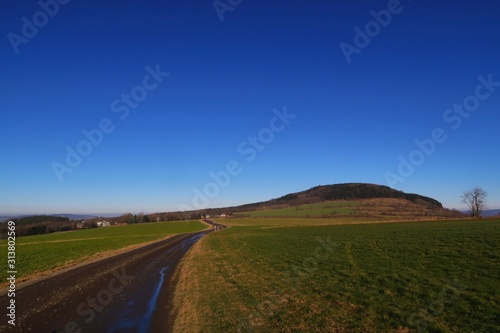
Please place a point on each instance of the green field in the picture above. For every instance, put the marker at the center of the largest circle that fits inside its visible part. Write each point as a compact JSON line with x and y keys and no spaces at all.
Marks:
{"x":274,"y":222}
{"x":324,"y":209}
{"x":45,"y":252}
{"x":440,"y":276}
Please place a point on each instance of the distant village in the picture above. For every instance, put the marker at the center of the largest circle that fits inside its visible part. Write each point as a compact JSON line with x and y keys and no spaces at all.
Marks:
{"x":87,"y":224}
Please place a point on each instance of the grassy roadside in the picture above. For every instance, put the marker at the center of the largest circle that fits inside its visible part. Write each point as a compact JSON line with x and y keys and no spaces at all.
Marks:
{"x":46,"y":252}
{"x":387,"y":277}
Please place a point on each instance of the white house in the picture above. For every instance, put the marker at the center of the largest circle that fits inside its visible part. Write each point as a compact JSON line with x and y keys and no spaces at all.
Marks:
{"x":102,"y":224}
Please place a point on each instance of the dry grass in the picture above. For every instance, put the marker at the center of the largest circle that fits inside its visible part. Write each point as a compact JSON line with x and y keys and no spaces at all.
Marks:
{"x":189,"y":288}
{"x":385,"y":277}
{"x":402,"y":209}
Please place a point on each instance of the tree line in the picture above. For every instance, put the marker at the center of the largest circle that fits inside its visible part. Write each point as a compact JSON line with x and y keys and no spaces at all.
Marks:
{"x":40,"y":224}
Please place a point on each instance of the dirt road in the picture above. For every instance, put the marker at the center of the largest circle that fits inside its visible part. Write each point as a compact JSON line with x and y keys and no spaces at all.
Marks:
{"x":117,"y":294}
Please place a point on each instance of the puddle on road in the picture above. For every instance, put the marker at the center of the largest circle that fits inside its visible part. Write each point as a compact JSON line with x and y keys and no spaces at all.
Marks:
{"x":146,"y":320}
{"x":126,"y":321}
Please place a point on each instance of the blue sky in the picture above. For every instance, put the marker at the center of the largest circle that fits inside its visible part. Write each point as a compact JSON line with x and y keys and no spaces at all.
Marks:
{"x":287,"y":94}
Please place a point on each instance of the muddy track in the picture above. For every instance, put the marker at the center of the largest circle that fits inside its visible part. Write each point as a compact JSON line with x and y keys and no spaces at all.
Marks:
{"x":116,"y":294}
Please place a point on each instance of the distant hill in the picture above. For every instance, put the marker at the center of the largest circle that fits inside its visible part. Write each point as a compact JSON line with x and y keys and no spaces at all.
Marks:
{"x":76,"y":216}
{"x":354,"y":191}
{"x":491,"y":212}
{"x":50,"y":217}
{"x":39,"y":219}
{"x":376,"y":201}
{"x":347,"y":191}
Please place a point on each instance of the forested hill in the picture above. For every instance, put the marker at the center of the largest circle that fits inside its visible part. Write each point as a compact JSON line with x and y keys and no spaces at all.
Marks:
{"x":39,"y":219}
{"x":352,"y":191}
{"x":347,"y":191}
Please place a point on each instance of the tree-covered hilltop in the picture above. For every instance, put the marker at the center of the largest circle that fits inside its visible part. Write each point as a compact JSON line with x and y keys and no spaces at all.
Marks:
{"x":38,"y":219}
{"x":354,"y":191}
{"x":40,"y":224}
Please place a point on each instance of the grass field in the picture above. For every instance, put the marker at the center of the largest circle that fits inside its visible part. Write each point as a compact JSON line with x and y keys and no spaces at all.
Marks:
{"x":44,"y":252}
{"x":311,"y":210}
{"x":273,"y":222}
{"x":439,"y":276}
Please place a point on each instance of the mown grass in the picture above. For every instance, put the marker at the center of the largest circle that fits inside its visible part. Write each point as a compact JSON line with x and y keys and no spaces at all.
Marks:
{"x":44,"y":252}
{"x":437,"y":276}
{"x":309,"y":210}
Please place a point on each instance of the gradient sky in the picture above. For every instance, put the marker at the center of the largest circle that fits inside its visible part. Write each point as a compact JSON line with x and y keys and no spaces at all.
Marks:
{"x":352,"y":120}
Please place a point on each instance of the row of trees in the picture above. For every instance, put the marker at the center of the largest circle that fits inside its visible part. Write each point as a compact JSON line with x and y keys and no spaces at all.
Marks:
{"x":130,"y":218}
{"x":45,"y":228}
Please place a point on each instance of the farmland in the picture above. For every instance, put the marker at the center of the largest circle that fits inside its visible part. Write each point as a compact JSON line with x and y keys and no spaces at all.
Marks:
{"x":309,"y":210}
{"x":437,"y":276}
{"x":274,"y":222}
{"x":51,"y":251}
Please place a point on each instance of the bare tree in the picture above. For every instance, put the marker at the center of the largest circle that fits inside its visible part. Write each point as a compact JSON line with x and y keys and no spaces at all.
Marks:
{"x":140,"y":217}
{"x":475,"y":199}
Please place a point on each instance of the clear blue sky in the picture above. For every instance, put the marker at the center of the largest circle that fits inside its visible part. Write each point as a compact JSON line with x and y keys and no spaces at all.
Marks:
{"x":357,"y":104}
